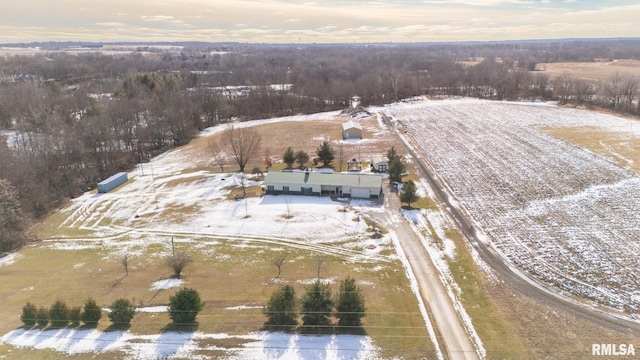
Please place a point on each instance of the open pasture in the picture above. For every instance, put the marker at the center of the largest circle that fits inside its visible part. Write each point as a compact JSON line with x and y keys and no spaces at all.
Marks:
{"x":567,"y":216}
{"x":596,"y":71}
{"x":179,"y":199}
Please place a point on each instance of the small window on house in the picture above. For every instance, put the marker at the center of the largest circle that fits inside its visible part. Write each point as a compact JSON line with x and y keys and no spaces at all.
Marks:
{"x":285,"y":188}
{"x":270,"y":188}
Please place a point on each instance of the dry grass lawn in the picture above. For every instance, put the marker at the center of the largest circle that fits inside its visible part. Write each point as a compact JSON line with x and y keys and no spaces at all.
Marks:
{"x":227,"y":274}
{"x":623,"y":150}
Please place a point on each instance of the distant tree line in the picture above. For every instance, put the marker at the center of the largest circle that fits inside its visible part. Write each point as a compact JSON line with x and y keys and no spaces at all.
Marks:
{"x":71,"y":120}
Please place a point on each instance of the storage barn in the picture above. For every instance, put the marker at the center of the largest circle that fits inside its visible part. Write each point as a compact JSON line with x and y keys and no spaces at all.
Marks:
{"x":364,"y":186}
{"x":351,"y":130}
{"x":112,"y":182}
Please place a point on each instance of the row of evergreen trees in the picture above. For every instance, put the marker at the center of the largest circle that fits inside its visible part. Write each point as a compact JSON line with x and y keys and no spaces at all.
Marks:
{"x":317,"y":308}
{"x":184,"y":306}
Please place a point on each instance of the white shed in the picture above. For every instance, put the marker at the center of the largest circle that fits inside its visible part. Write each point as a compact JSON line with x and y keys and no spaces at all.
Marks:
{"x":351,"y":130}
{"x":379,"y":163}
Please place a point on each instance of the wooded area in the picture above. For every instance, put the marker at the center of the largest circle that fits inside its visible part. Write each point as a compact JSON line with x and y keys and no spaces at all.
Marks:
{"x":71,"y":120}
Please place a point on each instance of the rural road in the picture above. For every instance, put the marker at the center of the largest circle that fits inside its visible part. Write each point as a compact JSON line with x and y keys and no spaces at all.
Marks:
{"x":450,"y":330}
{"x":516,"y":279}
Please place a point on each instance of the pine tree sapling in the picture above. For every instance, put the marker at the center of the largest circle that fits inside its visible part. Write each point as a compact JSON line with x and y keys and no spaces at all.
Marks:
{"x":75,"y":315}
{"x":302,"y":158}
{"x":397,"y":167}
{"x":28,"y":316}
{"x":350,"y":308}
{"x":59,"y":314}
{"x":281,"y":310}
{"x":317,"y":305}
{"x":42,"y":316}
{"x":184,"y":306}
{"x":409,"y":193}
{"x":392,"y":153}
{"x":289,"y":157}
{"x":325,"y":153}
{"x":122,"y":311}
{"x":92,"y":312}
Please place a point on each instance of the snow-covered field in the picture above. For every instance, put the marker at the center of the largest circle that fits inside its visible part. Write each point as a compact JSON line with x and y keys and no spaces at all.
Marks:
{"x":564,"y":214}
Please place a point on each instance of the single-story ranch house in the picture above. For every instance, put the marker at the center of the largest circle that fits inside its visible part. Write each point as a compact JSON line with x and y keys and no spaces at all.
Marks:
{"x":351,"y":130}
{"x":365,"y":186}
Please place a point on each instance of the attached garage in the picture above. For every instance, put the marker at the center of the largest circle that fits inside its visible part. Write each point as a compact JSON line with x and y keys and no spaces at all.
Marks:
{"x":362,"y":193}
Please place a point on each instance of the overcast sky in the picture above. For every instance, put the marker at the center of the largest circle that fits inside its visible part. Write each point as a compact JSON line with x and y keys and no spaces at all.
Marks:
{"x":320,"y":21}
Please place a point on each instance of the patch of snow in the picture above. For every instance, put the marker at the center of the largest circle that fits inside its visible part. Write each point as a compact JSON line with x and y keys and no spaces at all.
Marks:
{"x":153,"y":309}
{"x":9,"y":259}
{"x":243,"y":307}
{"x":166,"y":284}
{"x":262,"y":345}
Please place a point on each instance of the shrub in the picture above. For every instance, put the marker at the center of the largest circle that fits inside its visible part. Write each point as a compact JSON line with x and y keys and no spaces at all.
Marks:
{"x":75,"y":315}
{"x":42,"y":316}
{"x":178,"y":262}
{"x":92,"y":312}
{"x":184,"y":306}
{"x":122,"y":312}
{"x":28,"y":316}
{"x":281,"y":309}
{"x":59,"y":314}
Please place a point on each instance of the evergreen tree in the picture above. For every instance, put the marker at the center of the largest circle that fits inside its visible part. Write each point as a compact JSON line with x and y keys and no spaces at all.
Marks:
{"x":281,"y":310}
{"x":59,"y":314}
{"x":350,"y":308}
{"x":75,"y":315}
{"x":317,"y":305}
{"x":42,"y":316}
{"x":397,"y":166}
{"x":325,"y":153}
{"x":28,"y":316}
{"x":184,"y":306}
{"x":92,"y":312}
{"x":392,"y":153}
{"x":302,"y":157}
{"x":122,"y":311}
{"x":289,"y":157}
{"x":409,"y":193}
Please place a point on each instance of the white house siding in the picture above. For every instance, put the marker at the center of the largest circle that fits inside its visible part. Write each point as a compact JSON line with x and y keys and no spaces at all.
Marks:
{"x":355,"y":185}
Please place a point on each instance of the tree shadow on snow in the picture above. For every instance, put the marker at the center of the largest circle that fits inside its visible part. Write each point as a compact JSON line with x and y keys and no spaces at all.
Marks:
{"x":173,"y":337}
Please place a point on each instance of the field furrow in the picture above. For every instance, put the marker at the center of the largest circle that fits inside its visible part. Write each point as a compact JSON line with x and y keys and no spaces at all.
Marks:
{"x":567,"y":216}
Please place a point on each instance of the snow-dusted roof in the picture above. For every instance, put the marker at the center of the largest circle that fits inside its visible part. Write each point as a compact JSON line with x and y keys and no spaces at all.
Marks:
{"x":375,"y":159}
{"x":351,"y":125}
{"x":316,"y":178}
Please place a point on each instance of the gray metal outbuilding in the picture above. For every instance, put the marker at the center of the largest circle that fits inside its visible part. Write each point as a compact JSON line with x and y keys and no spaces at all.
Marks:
{"x":112,"y":182}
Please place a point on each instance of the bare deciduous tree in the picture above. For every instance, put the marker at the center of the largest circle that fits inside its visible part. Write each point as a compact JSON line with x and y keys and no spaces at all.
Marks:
{"x":217,"y":153}
{"x":278,"y":261}
{"x":178,"y":262}
{"x":319,"y":260}
{"x":125,"y":263}
{"x":243,"y":143}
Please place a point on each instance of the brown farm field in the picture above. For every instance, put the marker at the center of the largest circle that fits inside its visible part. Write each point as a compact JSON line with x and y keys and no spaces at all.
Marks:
{"x":595,"y":71}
